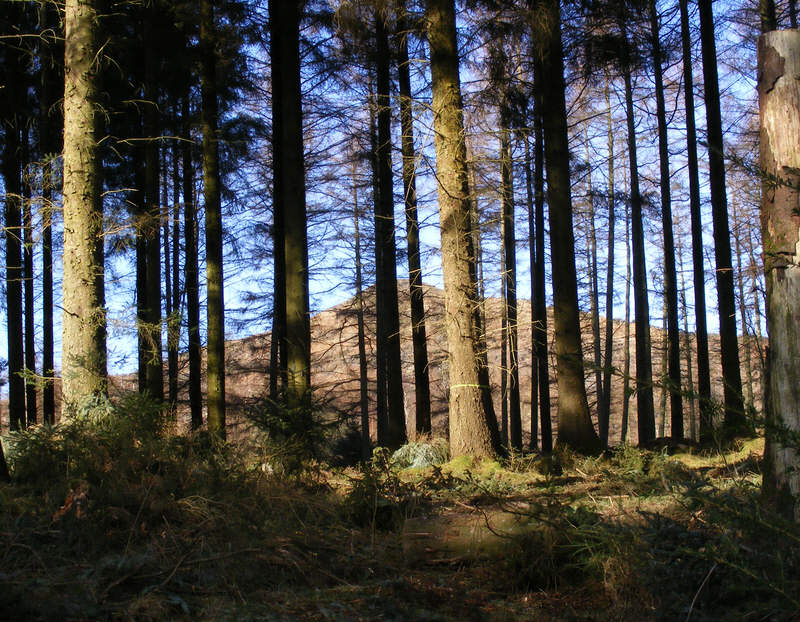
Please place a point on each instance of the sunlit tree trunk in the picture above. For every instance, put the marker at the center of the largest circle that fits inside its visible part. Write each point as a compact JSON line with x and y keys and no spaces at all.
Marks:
{"x":472,"y":430}
{"x":529,"y":192}
{"x":31,"y":414}
{"x":779,"y":103}
{"x":84,"y":316}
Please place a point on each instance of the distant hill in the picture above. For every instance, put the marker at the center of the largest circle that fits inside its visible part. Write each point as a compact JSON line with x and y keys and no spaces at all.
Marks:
{"x":335,"y":364}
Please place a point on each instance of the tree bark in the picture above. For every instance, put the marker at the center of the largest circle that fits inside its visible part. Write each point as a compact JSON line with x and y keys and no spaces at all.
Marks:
{"x":645,"y":412}
{"x":191,"y":270}
{"x":418,"y":331}
{"x":673,"y":378}
{"x":215,"y":349}
{"x":703,"y":364}
{"x":84,"y":316}
{"x":529,"y":192}
{"x":385,"y":247}
{"x":735,"y":421}
{"x":285,"y":34}
{"x":779,"y":103}
{"x":471,"y":431}
{"x":575,"y":427}
{"x":27,"y":268}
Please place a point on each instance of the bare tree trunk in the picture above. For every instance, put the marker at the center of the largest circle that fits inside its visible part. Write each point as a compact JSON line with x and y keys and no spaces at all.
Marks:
{"x":215,"y":349}
{"x":285,"y":31}
{"x":604,"y":408}
{"x":418,"y":332}
{"x":644,"y":366}
{"x":386,"y":248}
{"x":594,"y":290}
{"x":534,"y":444}
{"x":510,"y":282}
{"x":472,"y":430}
{"x":735,"y":420}
{"x":673,"y":378}
{"x":575,"y":427}
{"x":27,"y":257}
{"x":703,"y":365}
{"x":84,"y":321}
{"x":363,"y":384}
{"x":626,"y":365}
{"x":779,"y":103}
{"x":191,"y":271}
{"x":687,"y":351}
{"x":540,"y":321}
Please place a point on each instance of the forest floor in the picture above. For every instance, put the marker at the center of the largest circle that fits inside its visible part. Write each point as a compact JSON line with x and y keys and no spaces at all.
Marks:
{"x":118,"y":519}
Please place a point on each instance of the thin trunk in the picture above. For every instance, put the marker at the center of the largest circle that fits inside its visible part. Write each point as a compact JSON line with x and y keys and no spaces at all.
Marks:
{"x":746,"y":341}
{"x":510,"y":283}
{"x":191,"y":270}
{"x":575,"y":427}
{"x":140,"y":219}
{"x":215,"y":351}
{"x":735,"y":420}
{"x":665,"y":389}
{"x":418,"y":332}
{"x":529,"y":195}
{"x":687,"y":351}
{"x":626,"y":365}
{"x":174,"y":320}
{"x":540,"y":321}
{"x":594,"y":289}
{"x":779,"y":103}
{"x":472,"y":430}
{"x":644,"y":366}
{"x":673,"y":378}
{"x":604,"y":409}
{"x":30,"y":337}
{"x":504,"y":369}
{"x":385,"y":246}
{"x":366,"y":441}
{"x":154,"y":365}
{"x":84,"y":322}
{"x":703,"y":365}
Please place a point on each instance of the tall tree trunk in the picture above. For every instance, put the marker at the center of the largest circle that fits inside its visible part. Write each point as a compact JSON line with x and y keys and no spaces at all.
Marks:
{"x":191,"y":270}
{"x":575,"y":427}
{"x":644,"y":366}
{"x":27,"y":268}
{"x":363,"y":379}
{"x":49,"y":144}
{"x":735,"y":420}
{"x":472,"y":430}
{"x":529,"y":192}
{"x":12,"y":174}
{"x":746,"y":340}
{"x":594,"y":289}
{"x":155,"y":360}
{"x":687,"y":351}
{"x":604,"y":409}
{"x":673,"y":379}
{"x":703,"y":365}
{"x":504,"y":368}
{"x":626,"y":365}
{"x":84,"y":321}
{"x":418,"y":332}
{"x":779,"y":103}
{"x":385,"y":246}
{"x":215,"y":349}
{"x":510,"y":280}
{"x":140,"y":216}
{"x":540,"y":319}
{"x":174,"y":318}
{"x":285,"y":34}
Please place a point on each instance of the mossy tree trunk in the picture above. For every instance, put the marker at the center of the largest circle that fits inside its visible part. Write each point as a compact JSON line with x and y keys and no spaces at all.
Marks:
{"x":471,"y":432}
{"x":84,"y":316}
{"x":215,"y":350}
{"x":779,"y":102}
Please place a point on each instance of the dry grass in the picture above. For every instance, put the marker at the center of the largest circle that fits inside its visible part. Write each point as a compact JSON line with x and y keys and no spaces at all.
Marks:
{"x":114,"y":517}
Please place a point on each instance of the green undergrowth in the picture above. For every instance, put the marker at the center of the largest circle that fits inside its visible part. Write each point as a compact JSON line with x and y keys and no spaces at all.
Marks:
{"x":112,"y":516}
